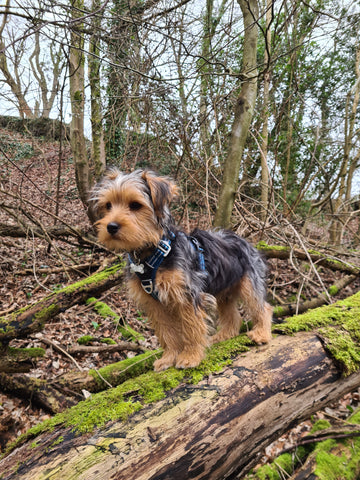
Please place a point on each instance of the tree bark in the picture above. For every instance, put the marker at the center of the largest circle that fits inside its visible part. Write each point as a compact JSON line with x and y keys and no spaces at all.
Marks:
{"x":265,"y":176}
{"x":77,"y":95}
{"x":214,"y":430}
{"x":244,"y":110}
{"x":98,"y":144}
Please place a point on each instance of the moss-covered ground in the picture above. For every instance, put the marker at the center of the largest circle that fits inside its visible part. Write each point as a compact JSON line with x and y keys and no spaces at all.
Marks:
{"x":331,"y":459}
{"x":338,"y":325}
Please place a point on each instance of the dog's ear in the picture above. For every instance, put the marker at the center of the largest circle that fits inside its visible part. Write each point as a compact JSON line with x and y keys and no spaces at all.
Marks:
{"x":162,"y":191}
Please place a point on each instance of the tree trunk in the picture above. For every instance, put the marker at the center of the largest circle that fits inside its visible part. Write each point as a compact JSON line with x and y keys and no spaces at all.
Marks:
{"x":266,"y":114}
{"x":244,"y":110}
{"x":339,"y":205}
{"x":214,"y":430}
{"x":77,"y":95}
{"x":98,"y":144}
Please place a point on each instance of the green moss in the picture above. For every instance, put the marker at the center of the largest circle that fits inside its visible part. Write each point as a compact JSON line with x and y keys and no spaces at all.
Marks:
{"x":342,"y":347}
{"x":339,"y":327}
{"x":59,"y":440}
{"x":283,"y":464}
{"x":263,"y":246}
{"x":329,"y":466}
{"x":320,"y":425}
{"x":102,"y":308}
{"x":355,"y":418}
{"x":23,"y":353}
{"x":106,"y":312}
{"x":278,"y":311}
{"x":85,"y":339}
{"x":108,"y":341}
{"x":333,"y":290}
{"x":97,"y":277}
{"x":116,"y":373}
{"x":339,"y":459}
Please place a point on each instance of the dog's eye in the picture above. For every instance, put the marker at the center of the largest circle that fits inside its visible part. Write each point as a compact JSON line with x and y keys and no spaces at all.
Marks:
{"x":108,"y":206}
{"x":134,"y":206}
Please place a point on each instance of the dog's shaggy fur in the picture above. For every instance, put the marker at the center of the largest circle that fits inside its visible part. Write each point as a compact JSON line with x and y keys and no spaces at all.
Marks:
{"x":135,"y":218}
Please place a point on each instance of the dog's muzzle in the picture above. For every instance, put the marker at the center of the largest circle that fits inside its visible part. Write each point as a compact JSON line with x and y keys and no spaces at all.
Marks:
{"x":112,"y":228}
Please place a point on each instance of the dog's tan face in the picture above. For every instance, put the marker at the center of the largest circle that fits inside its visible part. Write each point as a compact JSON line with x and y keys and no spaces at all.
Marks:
{"x":133,"y":209}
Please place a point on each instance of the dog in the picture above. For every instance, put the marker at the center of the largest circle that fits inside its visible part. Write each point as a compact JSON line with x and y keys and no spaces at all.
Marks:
{"x":172,"y":275}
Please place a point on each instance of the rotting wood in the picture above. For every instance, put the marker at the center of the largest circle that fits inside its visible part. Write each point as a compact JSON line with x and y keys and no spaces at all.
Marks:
{"x":213,"y":430}
{"x":41,"y":393}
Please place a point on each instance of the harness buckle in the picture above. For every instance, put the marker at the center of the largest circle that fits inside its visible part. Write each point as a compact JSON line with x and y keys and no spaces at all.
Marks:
{"x":164,"y":247}
{"x":148,"y":286}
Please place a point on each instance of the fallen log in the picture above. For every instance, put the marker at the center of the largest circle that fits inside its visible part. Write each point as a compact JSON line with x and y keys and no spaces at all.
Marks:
{"x":194,"y":424}
{"x":32,"y":318}
{"x":284,"y":253}
{"x":41,"y":393}
{"x":322,"y":299}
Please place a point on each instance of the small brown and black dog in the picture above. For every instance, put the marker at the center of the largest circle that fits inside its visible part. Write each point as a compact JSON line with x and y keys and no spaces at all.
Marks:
{"x":172,"y":276}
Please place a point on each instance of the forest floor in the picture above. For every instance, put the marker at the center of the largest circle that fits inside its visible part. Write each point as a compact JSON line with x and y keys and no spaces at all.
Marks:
{"x":31,"y":269}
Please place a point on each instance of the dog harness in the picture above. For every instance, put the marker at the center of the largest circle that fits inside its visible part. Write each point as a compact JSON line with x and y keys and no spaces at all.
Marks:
{"x":147,"y":269}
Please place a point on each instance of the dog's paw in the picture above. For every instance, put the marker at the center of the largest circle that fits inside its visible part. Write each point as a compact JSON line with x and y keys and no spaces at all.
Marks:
{"x":223,"y":335}
{"x":259,"y":335}
{"x":166,"y":361}
{"x":186,"y":360}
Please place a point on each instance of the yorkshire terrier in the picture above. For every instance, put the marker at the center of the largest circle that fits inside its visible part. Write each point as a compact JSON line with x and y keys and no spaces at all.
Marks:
{"x":173,"y":275}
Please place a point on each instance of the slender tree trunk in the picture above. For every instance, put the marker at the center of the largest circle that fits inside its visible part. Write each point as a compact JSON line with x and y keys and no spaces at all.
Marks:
{"x":244,"y":110}
{"x":98,"y":145}
{"x":346,"y":172}
{"x":22,"y":105}
{"x":264,"y":144}
{"x":77,"y":95}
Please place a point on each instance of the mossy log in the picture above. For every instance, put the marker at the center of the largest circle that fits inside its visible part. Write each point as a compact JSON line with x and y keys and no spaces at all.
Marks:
{"x":284,"y":253}
{"x":32,"y":318}
{"x":40,"y":392}
{"x":322,"y":299}
{"x":15,"y":360}
{"x":194,"y":424}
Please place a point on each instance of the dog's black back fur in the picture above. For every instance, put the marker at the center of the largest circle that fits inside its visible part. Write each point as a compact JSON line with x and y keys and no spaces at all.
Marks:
{"x":228,"y":258}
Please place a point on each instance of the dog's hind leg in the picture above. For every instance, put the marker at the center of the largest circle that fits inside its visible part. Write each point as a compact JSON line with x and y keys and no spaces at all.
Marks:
{"x":229,"y":317}
{"x":259,"y":311}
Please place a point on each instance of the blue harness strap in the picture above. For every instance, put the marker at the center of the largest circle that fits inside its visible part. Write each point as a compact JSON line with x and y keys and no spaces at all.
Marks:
{"x":146,"y":270}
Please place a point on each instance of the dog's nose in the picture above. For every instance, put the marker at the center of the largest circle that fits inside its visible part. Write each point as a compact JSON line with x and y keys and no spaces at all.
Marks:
{"x":113,"y":227}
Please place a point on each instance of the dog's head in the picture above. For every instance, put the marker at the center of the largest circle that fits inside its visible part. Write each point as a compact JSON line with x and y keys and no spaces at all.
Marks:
{"x":133,"y":209}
